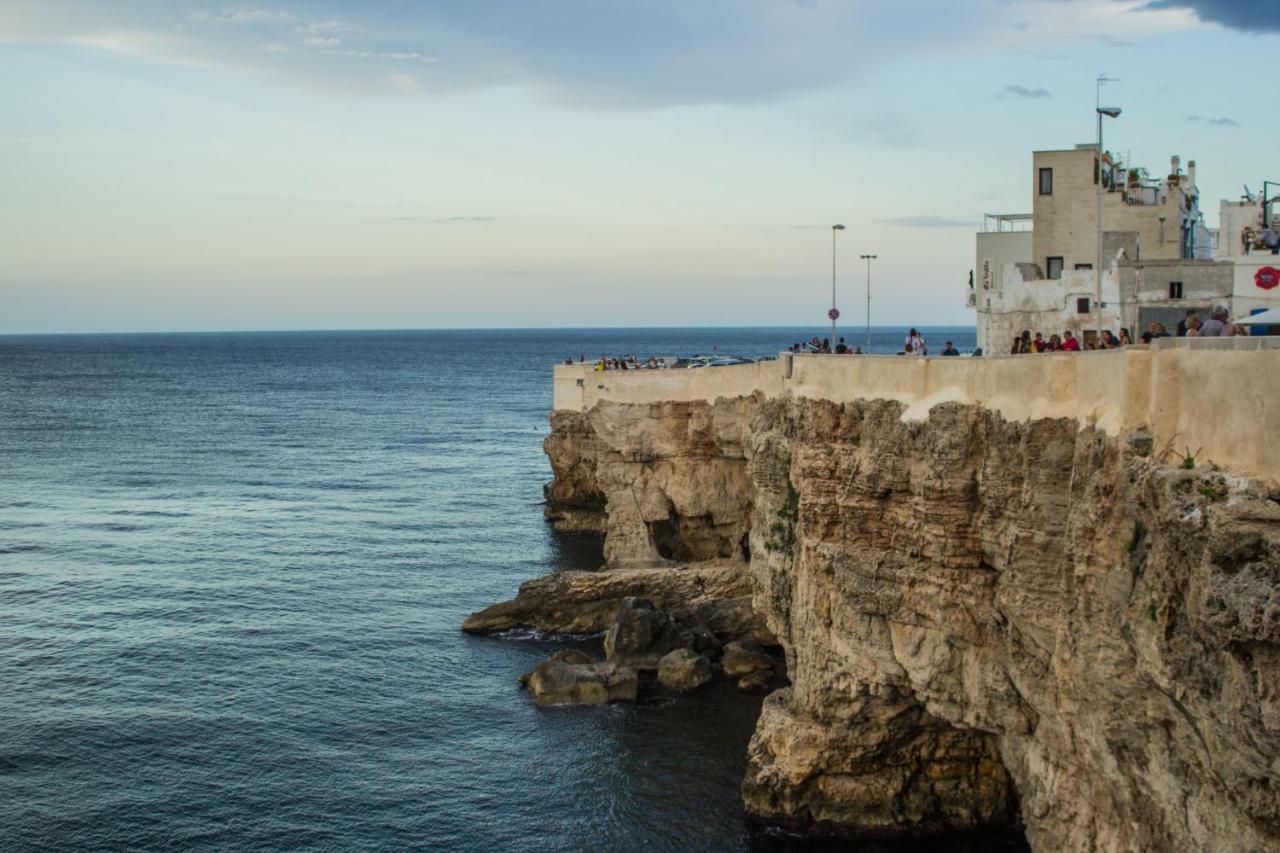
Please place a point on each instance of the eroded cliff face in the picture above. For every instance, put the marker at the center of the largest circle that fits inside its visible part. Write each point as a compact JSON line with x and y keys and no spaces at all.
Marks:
{"x":983,"y":621}
{"x":665,"y":482}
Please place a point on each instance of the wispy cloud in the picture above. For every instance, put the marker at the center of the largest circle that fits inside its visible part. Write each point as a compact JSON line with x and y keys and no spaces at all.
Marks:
{"x":1221,"y":121}
{"x":445,"y":220}
{"x":1024,"y":92}
{"x":239,"y":15}
{"x":592,"y":55}
{"x":929,"y":222}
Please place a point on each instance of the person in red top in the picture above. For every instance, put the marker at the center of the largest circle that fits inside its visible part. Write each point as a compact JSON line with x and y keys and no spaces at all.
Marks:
{"x":1069,"y":343}
{"x":1040,"y":344}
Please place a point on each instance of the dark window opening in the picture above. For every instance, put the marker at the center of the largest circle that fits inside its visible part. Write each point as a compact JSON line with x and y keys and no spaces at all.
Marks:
{"x":1082,"y":305}
{"x":1175,"y":290}
{"x":1053,"y":267}
{"x":1046,"y":182}
{"x":1084,"y":266}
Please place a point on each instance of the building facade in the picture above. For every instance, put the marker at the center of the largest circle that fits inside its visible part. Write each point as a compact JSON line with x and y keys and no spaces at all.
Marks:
{"x":1158,"y":256}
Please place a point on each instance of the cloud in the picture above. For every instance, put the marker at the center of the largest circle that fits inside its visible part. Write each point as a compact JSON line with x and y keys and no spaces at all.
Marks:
{"x":1255,"y":16}
{"x":1024,"y":92}
{"x":1221,"y":121}
{"x":587,"y":54}
{"x":445,"y":219}
{"x":929,"y":222}
{"x":239,"y":15}
{"x":591,"y":54}
{"x":405,"y":84}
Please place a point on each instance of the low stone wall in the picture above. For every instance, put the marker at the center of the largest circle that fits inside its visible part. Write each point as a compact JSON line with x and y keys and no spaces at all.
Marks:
{"x":1216,"y":397}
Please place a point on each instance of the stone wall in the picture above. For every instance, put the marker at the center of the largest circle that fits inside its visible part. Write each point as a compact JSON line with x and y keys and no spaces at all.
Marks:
{"x":1214,"y":395}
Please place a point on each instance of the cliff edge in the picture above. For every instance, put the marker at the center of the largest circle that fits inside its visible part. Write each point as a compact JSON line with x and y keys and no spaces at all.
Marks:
{"x":985,"y":621}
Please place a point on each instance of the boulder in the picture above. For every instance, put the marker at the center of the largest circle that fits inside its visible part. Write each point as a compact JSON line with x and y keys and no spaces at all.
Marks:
{"x":757,"y":682}
{"x":641,"y":634}
{"x":572,"y":656}
{"x":555,"y":682}
{"x":683,"y":670}
{"x":744,"y":657}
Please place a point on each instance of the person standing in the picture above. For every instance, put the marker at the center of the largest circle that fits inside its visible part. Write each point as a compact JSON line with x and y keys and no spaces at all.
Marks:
{"x":1216,"y":325}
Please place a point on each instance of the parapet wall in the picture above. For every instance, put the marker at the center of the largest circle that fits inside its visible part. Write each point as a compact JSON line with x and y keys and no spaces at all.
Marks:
{"x":1217,"y":397}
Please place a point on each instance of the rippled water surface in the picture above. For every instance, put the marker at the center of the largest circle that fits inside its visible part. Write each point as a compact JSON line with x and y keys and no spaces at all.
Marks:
{"x":232,"y":570}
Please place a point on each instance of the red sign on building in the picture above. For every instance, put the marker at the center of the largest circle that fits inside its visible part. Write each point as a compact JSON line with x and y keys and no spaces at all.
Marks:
{"x":1267,"y":277}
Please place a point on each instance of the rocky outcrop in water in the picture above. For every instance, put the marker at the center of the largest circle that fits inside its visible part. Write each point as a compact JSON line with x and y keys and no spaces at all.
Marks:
{"x":715,"y":594}
{"x":556,"y":682}
{"x":984,"y":621}
{"x":683,"y":670}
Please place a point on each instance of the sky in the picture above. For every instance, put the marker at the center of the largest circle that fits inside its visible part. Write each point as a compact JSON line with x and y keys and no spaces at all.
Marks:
{"x":565,"y":163}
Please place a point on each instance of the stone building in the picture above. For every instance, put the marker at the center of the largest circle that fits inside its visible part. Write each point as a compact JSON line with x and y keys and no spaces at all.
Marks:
{"x":1035,"y":271}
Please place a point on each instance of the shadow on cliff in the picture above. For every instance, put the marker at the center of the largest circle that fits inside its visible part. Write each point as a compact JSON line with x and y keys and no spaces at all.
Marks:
{"x":987,"y":841}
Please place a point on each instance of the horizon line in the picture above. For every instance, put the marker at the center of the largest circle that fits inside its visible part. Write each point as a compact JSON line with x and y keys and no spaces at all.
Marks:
{"x":372,"y":329}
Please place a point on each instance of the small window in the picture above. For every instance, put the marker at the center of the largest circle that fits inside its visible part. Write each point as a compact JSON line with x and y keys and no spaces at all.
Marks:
{"x":1046,"y":182}
{"x":1082,"y":305}
{"x":1053,"y":268}
{"x":1175,"y":290}
{"x":1084,"y":266}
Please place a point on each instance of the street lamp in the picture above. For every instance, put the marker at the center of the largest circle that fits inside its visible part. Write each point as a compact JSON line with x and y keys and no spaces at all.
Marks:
{"x":1110,"y":112}
{"x":833,"y":313}
{"x":868,"y":259}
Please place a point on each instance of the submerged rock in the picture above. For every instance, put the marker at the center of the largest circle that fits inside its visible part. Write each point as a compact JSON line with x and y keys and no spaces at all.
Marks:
{"x":555,"y":682}
{"x":684,"y":670}
{"x":761,"y":681}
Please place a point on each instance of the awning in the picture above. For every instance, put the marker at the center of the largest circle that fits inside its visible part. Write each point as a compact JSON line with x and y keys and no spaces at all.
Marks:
{"x":1270,"y":317}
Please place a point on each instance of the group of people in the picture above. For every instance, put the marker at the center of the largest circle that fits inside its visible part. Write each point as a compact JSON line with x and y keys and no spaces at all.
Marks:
{"x":1218,"y":325}
{"x":914,"y":344}
{"x":626,"y":362}
{"x":1190,"y":326}
{"x":823,"y":345}
{"x":1067,"y":342}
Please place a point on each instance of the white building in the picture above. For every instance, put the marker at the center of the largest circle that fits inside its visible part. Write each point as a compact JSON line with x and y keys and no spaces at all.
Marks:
{"x":1035,"y":272}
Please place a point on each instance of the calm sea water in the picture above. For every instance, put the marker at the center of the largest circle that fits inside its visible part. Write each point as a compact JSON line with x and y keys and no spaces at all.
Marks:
{"x":232,"y":570}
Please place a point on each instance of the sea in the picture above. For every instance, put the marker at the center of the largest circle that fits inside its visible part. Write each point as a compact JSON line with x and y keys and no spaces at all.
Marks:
{"x":232,"y":571}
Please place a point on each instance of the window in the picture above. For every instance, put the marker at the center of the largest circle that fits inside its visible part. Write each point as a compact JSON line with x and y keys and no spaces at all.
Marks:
{"x":1175,"y":290}
{"x":1082,"y":305}
{"x":1053,"y":268}
{"x":1084,"y":266}
{"x":1046,"y":182}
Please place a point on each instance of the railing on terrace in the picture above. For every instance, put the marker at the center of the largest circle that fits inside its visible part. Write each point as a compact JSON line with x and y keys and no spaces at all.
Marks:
{"x":996,"y":223}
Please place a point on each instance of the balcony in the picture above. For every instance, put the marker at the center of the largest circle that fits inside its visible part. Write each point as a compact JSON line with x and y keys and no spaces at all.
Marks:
{"x":997,"y":223}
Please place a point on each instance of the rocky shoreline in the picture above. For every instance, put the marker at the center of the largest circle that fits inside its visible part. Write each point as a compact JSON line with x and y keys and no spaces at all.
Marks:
{"x":702,"y":627}
{"x":984,"y":623}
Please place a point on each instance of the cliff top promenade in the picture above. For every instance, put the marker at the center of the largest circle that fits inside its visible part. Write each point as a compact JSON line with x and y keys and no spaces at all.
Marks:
{"x":1218,"y":398}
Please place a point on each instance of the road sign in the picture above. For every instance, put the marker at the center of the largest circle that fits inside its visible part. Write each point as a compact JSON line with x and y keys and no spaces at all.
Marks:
{"x":833,"y":314}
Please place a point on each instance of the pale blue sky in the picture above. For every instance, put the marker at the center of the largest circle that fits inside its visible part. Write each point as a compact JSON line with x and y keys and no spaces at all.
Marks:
{"x":583,"y":162}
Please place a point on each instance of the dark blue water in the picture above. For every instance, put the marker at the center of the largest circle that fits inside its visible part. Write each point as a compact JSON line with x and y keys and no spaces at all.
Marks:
{"x":232,"y":570}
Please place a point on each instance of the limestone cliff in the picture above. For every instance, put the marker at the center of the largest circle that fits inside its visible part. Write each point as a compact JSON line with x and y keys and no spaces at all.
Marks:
{"x":983,"y":620}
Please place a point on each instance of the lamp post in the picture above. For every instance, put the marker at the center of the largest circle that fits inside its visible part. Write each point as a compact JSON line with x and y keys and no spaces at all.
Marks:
{"x":1111,"y":112}
{"x":868,"y":259}
{"x":833,"y":313}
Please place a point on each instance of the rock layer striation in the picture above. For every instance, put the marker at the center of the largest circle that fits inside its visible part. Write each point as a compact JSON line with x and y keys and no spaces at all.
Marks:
{"x":984,"y":621}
